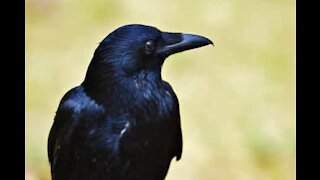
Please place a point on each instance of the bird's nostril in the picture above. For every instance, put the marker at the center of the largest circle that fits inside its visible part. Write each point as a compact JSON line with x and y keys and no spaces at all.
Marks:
{"x":171,"y":38}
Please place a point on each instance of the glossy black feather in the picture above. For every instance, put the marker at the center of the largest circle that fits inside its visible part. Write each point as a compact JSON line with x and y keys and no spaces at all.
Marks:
{"x":123,"y":121}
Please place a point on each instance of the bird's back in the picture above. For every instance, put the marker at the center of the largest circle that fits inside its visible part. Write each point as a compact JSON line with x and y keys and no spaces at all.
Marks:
{"x":68,"y":146}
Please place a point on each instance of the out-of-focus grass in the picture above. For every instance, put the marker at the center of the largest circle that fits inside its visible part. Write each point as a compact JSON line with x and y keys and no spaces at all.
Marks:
{"x":237,"y":99}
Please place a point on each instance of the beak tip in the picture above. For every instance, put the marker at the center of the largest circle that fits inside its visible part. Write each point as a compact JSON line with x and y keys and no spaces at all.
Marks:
{"x":207,"y":41}
{"x":210,"y":42}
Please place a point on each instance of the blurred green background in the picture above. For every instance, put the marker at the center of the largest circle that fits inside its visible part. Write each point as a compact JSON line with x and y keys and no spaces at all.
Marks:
{"x":237,"y":99}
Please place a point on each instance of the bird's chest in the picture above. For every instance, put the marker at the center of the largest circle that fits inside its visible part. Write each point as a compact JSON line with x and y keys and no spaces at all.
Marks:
{"x":151,"y":120}
{"x":152,"y":103}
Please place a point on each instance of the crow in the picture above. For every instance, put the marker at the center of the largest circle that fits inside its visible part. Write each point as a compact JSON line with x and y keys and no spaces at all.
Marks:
{"x":123,"y":121}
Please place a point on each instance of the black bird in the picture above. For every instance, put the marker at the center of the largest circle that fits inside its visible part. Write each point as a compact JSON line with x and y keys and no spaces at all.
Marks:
{"x":123,"y":121}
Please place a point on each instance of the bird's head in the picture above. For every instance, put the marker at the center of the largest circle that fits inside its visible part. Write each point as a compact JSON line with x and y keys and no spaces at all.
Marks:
{"x":136,"y":49}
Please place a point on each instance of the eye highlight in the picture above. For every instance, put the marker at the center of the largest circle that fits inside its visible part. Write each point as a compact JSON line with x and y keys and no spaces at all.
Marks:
{"x":149,"y":46}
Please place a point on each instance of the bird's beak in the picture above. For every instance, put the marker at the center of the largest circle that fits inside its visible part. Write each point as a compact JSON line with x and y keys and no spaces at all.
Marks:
{"x":178,"y":42}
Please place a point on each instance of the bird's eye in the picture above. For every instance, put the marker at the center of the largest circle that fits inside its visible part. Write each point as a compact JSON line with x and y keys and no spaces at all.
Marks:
{"x":149,"y":46}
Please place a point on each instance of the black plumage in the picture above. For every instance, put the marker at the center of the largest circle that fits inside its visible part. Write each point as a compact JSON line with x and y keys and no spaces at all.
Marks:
{"x":123,"y":121}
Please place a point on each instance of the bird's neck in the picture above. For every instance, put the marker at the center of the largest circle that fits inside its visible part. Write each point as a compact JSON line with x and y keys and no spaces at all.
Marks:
{"x":112,"y":87}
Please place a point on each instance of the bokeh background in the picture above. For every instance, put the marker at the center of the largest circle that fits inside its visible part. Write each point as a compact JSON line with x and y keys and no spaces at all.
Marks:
{"x":237,"y":99}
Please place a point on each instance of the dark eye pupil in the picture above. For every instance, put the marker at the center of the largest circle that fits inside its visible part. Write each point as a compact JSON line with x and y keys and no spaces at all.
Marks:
{"x":149,"y":45}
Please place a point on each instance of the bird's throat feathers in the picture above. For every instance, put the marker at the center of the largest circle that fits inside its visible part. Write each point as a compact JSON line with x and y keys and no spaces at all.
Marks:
{"x":110,"y":82}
